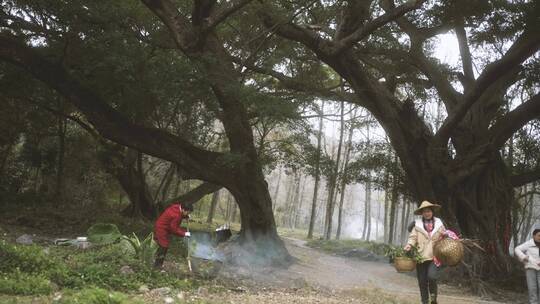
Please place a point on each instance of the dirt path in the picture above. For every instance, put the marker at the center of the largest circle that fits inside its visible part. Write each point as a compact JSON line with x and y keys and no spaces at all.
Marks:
{"x":335,"y":272}
{"x":339,"y":279}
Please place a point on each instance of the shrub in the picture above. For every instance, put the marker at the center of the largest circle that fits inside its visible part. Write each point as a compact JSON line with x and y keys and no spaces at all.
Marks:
{"x":29,"y":270}
{"x":341,"y":247}
{"x":100,"y":267}
{"x":110,"y":254}
{"x":103,"y":234}
{"x":379,"y":248}
{"x":30,"y":259}
{"x":19,"y":283}
{"x":338,"y":246}
{"x":144,"y":250}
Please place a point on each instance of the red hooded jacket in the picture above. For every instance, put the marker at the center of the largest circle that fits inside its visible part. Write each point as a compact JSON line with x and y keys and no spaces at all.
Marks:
{"x":169,"y":223}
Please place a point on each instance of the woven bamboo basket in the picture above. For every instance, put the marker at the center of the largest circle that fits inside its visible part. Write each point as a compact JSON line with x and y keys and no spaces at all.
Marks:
{"x":448,"y":251}
{"x":404,"y":264}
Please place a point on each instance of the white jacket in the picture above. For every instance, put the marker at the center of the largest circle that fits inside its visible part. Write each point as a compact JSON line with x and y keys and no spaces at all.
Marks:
{"x":421,"y":238}
{"x":530,"y":250}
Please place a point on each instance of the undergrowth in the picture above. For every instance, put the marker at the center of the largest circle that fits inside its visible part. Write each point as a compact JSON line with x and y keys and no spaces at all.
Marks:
{"x":33,"y":270}
{"x":341,"y":247}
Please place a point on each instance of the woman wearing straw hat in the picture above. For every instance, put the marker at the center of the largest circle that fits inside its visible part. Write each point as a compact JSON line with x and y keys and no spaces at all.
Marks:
{"x":529,"y":254}
{"x":425,"y":232}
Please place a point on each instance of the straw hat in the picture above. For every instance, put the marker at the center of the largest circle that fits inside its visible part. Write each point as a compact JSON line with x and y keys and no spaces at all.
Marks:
{"x":426,"y":204}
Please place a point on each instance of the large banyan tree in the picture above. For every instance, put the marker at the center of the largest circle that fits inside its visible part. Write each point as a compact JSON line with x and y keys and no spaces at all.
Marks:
{"x":384,"y":52}
{"x":53,"y":41}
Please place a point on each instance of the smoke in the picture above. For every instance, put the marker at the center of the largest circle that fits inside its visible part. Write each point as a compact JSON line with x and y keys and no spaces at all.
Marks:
{"x":251,"y":252}
{"x":202,"y":246}
{"x":259,"y":259}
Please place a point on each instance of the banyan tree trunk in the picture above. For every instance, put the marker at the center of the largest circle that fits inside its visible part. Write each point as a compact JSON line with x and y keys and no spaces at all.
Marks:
{"x":131,"y":178}
{"x":258,"y":235}
{"x":482,"y":204}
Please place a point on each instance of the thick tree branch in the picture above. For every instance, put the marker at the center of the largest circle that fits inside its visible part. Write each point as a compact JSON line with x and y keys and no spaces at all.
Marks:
{"x":408,"y":27}
{"x":440,"y":81}
{"x":525,"y":178}
{"x":503,"y":129}
{"x":201,"y":11}
{"x":400,"y":120}
{"x":404,"y":57}
{"x":417,"y":57}
{"x":88,"y":128}
{"x":524,"y":47}
{"x":294,"y":32}
{"x":299,"y":86}
{"x":200,"y":163}
{"x":373,"y":25}
{"x":499,"y":133}
{"x":213,"y":61}
{"x":372,"y":93}
{"x":354,"y":13}
{"x":179,"y":26}
{"x":428,"y":32}
{"x":465,"y":52}
{"x":196,"y":194}
{"x":224,"y":12}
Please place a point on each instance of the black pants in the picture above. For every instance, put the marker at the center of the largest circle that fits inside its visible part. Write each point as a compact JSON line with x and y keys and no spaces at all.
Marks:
{"x":427,"y":274}
{"x":160,"y":257}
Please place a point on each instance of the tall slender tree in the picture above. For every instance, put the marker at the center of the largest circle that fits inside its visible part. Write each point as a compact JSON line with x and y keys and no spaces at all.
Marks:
{"x":313,"y":215}
{"x":330,"y":204}
{"x":344,"y":178}
{"x":213,"y":204}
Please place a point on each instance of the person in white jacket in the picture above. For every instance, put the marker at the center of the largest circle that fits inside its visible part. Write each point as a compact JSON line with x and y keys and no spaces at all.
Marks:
{"x":529,"y":254}
{"x":424,"y":234}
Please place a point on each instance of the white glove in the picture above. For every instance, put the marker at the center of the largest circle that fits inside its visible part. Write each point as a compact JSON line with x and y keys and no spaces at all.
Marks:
{"x":187,"y":234}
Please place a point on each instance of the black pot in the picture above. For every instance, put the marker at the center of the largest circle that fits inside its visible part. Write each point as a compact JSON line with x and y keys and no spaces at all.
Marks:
{"x":223,"y":235}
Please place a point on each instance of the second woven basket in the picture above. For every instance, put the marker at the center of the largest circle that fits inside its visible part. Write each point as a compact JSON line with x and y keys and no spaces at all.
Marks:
{"x":449,"y":251}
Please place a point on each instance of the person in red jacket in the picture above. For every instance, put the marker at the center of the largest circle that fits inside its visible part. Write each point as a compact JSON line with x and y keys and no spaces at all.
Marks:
{"x":169,"y":223}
